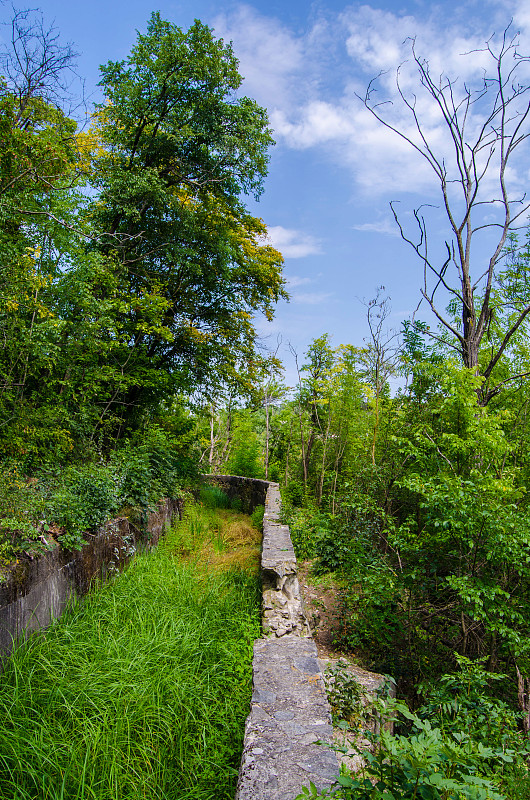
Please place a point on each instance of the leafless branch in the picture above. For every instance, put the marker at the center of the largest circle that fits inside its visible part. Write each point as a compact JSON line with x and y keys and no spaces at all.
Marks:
{"x":486,"y":124}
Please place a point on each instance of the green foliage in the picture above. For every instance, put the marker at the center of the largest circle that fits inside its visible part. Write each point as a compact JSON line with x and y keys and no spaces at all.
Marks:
{"x":347,"y":697}
{"x":423,"y":764}
{"x":305,"y":526}
{"x":294,"y":494}
{"x":456,"y":747}
{"x":152,"y":466}
{"x":87,"y":498}
{"x":177,"y":151}
{"x":463,"y":701}
{"x":257,"y":517}
{"x":22,"y":510}
{"x":214,"y":497}
{"x":131,"y":269}
{"x":245,"y":458}
{"x":141,"y":691}
{"x":66,"y":504}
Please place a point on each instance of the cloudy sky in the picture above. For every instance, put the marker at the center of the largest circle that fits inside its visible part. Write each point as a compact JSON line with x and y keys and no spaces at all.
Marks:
{"x":334,"y":168}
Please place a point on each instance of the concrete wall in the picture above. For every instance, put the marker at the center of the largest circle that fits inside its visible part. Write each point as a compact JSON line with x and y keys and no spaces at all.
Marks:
{"x":251,"y":491}
{"x":39,"y":589}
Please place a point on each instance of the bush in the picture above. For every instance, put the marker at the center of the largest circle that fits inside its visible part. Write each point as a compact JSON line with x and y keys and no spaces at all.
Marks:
{"x":22,"y":512}
{"x":214,"y":497}
{"x":87,"y":498}
{"x":83,"y":497}
{"x":463,"y":744}
{"x":294,"y":494}
{"x":306,"y":526}
{"x":462,"y":701}
{"x":153,"y":467}
{"x":257,"y":517}
{"x":425,"y":763}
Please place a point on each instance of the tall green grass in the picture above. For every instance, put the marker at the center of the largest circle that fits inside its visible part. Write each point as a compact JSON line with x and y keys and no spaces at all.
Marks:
{"x":138,"y":693}
{"x":214,"y":497}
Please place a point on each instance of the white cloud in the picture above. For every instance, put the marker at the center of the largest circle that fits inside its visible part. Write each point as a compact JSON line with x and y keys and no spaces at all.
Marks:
{"x":309,"y":80}
{"x":296,"y":280}
{"x":319,"y":122}
{"x":269,"y":54}
{"x":383,"y":226}
{"x":293,"y":243}
{"x":311,"y":298}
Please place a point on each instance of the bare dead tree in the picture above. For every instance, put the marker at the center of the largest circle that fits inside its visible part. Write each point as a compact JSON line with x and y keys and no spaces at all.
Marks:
{"x":35,"y":64}
{"x":486,"y":127}
{"x":380,"y":354}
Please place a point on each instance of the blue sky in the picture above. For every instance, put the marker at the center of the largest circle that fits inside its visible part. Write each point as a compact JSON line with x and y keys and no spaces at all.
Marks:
{"x":333,"y":170}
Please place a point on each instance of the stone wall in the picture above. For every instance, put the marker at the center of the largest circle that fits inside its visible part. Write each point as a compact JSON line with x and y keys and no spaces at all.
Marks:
{"x":39,"y":589}
{"x":251,"y":491}
{"x":289,"y":713}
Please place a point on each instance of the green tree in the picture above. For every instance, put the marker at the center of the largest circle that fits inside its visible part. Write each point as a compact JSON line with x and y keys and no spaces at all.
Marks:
{"x":246,"y":450}
{"x":178,"y":149}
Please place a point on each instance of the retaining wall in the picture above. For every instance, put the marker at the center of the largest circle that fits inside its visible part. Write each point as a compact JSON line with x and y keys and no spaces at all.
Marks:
{"x":289,"y":711}
{"x":39,"y":589}
{"x":251,"y":491}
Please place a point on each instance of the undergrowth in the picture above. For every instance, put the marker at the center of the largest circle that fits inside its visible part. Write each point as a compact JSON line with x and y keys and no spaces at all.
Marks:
{"x":142,"y":690}
{"x":60,"y":503}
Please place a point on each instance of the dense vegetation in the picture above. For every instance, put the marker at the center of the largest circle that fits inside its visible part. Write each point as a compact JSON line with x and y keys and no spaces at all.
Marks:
{"x":143,"y":689}
{"x":131,"y":271}
{"x":417,"y":503}
{"x":130,"y":268}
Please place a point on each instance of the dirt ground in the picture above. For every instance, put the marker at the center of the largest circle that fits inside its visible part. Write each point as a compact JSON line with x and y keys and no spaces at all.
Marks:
{"x":322,"y":598}
{"x":322,"y":604}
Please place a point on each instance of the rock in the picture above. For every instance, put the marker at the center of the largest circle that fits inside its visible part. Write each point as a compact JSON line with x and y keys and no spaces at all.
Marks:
{"x":287,"y":727}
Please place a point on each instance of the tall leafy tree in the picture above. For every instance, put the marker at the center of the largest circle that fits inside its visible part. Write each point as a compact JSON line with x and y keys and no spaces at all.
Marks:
{"x":178,"y":150}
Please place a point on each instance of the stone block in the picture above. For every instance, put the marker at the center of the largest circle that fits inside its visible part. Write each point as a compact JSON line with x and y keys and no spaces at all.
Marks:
{"x":289,"y":727}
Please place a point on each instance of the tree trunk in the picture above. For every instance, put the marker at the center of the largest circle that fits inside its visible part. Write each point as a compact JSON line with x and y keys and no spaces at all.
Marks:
{"x":523,"y":699}
{"x":324,"y":449}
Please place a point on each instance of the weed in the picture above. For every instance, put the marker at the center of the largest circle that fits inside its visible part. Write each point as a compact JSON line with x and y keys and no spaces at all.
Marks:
{"x":257,"y":517}
{"x":214,"y":497}
{"x":347,"y":697}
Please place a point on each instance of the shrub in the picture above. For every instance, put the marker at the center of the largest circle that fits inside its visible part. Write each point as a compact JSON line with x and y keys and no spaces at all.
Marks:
{"x":22,"y":512}
{"x":294,"y":494}
{"x":214,"y":497}
{"x":306,"y":525}
{"x":88,"y":496}
{"x":257,"y":517}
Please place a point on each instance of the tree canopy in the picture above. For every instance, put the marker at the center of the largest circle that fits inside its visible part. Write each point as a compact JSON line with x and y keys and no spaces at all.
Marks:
{"x":131,"y":268}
